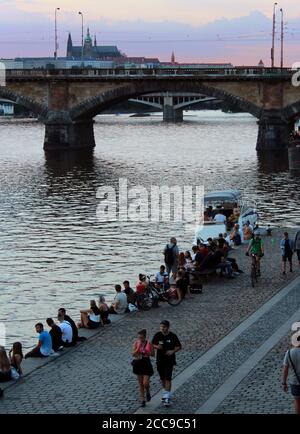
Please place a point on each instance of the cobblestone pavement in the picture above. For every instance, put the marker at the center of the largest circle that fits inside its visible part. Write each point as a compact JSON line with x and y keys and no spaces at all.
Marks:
{"x":96,"y":377}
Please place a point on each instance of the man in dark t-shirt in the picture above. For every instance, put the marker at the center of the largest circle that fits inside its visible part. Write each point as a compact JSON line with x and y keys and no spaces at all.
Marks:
{"x":56,"y":335}
{"x":167,"y":344}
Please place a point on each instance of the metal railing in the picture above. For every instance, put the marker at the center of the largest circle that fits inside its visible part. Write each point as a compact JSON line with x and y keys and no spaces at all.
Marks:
{"x":237,"y":72}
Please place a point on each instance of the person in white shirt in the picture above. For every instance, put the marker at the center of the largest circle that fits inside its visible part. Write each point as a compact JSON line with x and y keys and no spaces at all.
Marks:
{"x":219,"y":217}
{"x":119,"y":305}
{"x":66,"y":329}
{"x":161,"y":277}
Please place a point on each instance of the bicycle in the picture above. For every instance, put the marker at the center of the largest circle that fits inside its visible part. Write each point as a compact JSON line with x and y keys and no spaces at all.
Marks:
{"x":153,"y":295}
{"x":255,"y":272}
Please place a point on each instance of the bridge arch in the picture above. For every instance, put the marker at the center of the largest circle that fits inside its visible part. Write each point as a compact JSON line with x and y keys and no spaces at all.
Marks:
{"x":41,"y":110}
{"x":94,"y":105}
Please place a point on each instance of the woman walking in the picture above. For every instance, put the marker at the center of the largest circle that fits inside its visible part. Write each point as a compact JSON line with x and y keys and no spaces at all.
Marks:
{"x":291,"y":368}
{"x":142,"y":367}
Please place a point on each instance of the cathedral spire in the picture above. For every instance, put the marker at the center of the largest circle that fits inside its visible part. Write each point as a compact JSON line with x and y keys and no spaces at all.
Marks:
{"x":95,"y":41}
{"x":173,"y":57}
{"x":69,"y":46}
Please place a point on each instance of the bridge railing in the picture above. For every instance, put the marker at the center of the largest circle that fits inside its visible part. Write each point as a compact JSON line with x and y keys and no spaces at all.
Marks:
{"x":151,"y":72}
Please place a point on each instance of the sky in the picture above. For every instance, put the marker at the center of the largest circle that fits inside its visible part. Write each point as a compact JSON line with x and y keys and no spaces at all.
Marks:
{"x":237,"y":31}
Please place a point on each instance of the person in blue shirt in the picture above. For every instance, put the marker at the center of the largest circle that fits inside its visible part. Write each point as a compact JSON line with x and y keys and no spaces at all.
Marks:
{"x":44,"y":346}
{"x":287,"y":250}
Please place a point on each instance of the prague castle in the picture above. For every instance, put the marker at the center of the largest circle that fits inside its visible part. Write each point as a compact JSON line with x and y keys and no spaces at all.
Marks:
{"x":91,"y":50}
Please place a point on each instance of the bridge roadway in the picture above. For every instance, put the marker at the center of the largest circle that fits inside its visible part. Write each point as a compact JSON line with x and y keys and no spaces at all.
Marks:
{"x":67,"y":100}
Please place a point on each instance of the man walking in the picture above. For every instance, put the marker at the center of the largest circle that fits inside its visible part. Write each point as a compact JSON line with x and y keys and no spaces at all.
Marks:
{"x":287,"y":250}
{"x":167,"y":344}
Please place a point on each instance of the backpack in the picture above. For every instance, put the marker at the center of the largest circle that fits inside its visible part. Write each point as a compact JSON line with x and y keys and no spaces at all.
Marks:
{"x":169,"y":258}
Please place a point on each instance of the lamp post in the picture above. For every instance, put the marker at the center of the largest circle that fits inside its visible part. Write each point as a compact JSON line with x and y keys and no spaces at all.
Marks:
{"x":273,"y":36}
{"x":56,"y":44}
{"x":281,"y":53}
{"x":80,"y":13}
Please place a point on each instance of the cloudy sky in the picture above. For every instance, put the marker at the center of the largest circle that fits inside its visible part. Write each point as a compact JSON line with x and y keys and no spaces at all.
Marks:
{"x":196,"y":30}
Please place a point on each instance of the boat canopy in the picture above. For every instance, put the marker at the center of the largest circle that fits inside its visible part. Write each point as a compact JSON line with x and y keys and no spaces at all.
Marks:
{"x":229,"y":196}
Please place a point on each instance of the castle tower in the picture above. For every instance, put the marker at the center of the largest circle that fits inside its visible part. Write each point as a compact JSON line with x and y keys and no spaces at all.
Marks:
{"x":88,"y":45}
{"x":70,"y":46}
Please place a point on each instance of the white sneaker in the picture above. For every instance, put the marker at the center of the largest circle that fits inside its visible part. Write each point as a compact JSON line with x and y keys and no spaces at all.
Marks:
{"x":167,"y":402}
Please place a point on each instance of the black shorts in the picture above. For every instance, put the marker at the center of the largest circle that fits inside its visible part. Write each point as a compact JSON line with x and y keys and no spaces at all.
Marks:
{"x":298,"y":254}
{"x":165,"y":371}
{"x":287,"y":257}
{"x":92,"y":324}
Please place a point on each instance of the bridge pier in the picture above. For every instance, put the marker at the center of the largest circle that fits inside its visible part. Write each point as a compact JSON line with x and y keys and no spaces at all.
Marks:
{"x":170,"y":114}
{"x":62,"y":133}
{"x":273,"y":131}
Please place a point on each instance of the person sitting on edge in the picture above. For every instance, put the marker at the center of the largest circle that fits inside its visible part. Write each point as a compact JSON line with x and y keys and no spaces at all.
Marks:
{"x":181,"y":260}
{"x":247,"y":231}
{"x":90,"y":318}
{"x":6,"y":371}
{"x":104,"y":310}
{"x":181,"y":284}
{"x":56,"y":335}
{"x":212,"y":246}
{"x":16,"y":357}
{"x":195,"y":250}
{"x":130,"y":293}
{"x":66,"y":329}
{"x":44,"y":346}
{"x":236,"y":235}
{"x":206,"y":217}
{"x":219,"y":217}
{"x":188,"y":260}
{"x":75,"y":338}
{"x":162,"y":278}
{"x":119,"y":305}
{"x":141,"y":286}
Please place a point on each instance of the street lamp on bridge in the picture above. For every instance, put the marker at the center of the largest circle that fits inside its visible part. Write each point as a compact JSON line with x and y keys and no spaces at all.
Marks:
{"x":56,"y":44}
{"x":281,"y":53}
{"x":80,"y":13}
{"x":273,"y":36}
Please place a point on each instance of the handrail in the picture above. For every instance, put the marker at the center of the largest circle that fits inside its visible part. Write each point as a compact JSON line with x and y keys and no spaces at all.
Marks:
{"x":118,"y":72}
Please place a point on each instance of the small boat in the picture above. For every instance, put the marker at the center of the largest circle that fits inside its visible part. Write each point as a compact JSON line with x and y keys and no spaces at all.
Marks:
{"x":224,"y":202}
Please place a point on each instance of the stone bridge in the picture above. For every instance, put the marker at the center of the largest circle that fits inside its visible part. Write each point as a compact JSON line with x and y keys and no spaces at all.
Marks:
{"x":66,"y":101}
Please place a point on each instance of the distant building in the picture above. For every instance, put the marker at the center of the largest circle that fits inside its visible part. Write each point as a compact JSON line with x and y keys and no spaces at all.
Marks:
{"x":261,"y":64}
{"x":173,"y":57}
{"x":91,"y":51}
{"x":6,"y":107}
{"x":138,"y":62}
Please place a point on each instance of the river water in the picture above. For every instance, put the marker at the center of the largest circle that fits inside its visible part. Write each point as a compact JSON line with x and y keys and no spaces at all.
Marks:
{"x":55,"y":252}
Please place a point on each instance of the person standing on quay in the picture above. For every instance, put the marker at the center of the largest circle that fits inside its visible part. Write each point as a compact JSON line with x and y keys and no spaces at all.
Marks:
{"x":142,"y":367}
{"x":171,"y":253}
{"x":287,"y":250}
{"x":167,"y":344}
{"x":297,"y":245}
{"x":291,"y":368}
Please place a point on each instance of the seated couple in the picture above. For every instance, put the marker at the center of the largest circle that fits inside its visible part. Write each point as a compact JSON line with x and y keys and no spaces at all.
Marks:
{"x":95,"y":316}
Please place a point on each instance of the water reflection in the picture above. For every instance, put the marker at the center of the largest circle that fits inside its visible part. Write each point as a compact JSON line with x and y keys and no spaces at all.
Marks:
{"x":272,"y":161}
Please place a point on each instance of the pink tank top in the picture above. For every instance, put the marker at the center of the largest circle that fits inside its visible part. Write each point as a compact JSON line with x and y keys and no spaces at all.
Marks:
{"x":145,"y":349}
